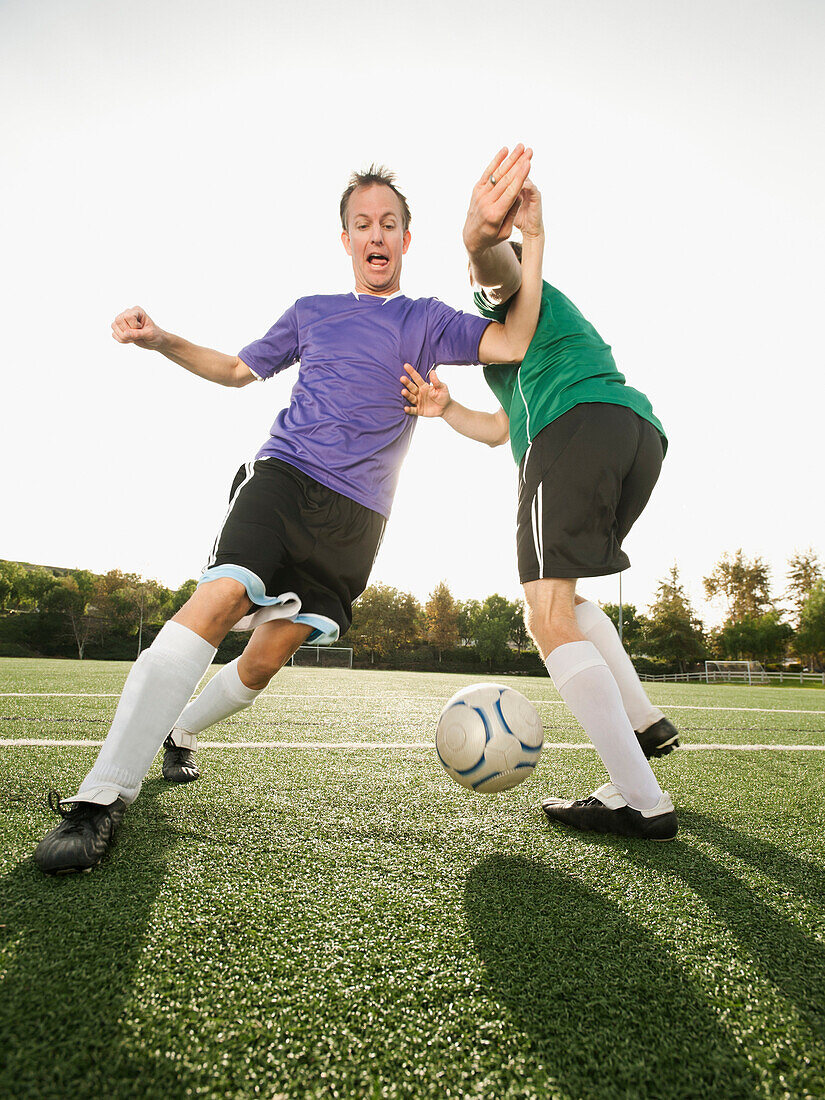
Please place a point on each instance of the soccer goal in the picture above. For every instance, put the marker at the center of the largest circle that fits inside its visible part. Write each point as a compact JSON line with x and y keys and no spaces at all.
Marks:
{"x":322,"y":656}
{"x":743,"y":672}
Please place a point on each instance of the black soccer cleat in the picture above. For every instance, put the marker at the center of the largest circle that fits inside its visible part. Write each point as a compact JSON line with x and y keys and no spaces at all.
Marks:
{"x":179,"y":764}
{"x":606,"y":811}
{"x":81,"y":839}
{"x":659,"y":739}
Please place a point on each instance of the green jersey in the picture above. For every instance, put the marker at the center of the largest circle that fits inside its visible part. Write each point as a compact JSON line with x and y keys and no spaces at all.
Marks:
{"x":567,"y":364}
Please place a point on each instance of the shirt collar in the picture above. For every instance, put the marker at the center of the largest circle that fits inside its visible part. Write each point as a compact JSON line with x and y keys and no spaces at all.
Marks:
{"x":386,"y":297}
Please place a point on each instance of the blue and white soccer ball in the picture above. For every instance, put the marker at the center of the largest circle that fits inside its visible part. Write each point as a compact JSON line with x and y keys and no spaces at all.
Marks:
{"x":489,"y":737}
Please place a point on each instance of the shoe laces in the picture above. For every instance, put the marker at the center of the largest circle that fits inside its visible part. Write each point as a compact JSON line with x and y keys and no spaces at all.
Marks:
{"x":79,"y":813}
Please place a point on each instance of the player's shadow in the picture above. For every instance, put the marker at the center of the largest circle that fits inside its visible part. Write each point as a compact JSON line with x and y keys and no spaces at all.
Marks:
{"x":72,"y":946}
{"x":607,"y":1009}
{"x":778,"y":946}
{"x":800,"y":875}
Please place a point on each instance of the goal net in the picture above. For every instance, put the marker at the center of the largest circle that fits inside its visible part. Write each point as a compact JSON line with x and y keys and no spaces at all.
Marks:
{"x":747,"y":672}
{"x":322,"y":656}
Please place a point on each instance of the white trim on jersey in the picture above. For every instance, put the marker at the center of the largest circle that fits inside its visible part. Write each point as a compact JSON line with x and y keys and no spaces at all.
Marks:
{"x":538,"y":535}
{"x":525,"y":461}
{"x":250,"y":470}
{"x":526,"y":406}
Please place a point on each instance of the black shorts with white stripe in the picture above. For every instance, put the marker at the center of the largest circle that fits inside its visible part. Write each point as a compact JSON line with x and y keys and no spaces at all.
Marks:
{"x":583,"y":483}
{"x":298,"y":536}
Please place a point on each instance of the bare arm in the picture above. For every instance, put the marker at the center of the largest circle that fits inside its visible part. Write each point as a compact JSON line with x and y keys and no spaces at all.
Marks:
{"x":135,"y":326}
{"x":508,"y":343}
{"x":433,"y":398}
{"x":494,"y":204}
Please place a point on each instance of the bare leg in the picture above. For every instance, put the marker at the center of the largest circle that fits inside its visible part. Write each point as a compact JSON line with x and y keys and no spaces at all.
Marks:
{"x":268,"y":650}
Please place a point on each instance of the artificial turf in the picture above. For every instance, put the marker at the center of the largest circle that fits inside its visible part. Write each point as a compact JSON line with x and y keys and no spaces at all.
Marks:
{"x":346,"y":922}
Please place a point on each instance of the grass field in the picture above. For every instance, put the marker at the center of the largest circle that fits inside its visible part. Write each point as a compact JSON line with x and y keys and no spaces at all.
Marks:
{"x":331,"y":916}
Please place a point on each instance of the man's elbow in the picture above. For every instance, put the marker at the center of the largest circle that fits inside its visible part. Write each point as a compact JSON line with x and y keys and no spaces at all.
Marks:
{"x":241,"y":375}
{"x":501,"y":434}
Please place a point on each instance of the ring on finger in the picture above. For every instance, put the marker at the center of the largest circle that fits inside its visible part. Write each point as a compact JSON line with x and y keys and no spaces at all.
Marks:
{"x":493,"y":180}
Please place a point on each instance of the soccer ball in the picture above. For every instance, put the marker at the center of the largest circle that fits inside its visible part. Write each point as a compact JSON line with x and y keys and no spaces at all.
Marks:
{"x":489,"y":737}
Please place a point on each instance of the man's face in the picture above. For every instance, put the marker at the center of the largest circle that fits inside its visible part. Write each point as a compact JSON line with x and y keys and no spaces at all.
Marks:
{"x":375,"y":239}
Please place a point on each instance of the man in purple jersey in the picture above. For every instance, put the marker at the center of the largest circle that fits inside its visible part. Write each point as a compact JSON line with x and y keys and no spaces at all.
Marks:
{"x":306,"y":515}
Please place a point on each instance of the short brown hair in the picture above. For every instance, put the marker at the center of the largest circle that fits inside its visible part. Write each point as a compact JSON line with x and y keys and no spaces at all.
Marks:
{"x":376,"y":173}
{"x":516,"y":247}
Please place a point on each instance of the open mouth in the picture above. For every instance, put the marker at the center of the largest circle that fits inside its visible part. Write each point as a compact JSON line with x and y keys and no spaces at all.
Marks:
{"x":377,"y":259}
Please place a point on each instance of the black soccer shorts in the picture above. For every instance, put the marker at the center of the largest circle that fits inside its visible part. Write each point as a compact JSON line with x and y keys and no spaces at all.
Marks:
{"x":297,"y":535}
{"x":583,"y":483}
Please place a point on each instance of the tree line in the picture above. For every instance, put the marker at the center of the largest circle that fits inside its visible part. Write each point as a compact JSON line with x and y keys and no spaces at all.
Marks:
{"x":63,"y":612}
{"x":758,"y":625}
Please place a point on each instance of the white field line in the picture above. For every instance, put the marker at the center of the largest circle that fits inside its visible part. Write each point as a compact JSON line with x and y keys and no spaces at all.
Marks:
{"x":379,"y":698}
{"x":53,"y":743}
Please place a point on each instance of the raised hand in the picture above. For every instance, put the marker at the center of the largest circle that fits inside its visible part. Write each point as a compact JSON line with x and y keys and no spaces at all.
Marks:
{"x":529,"y":217}
{"x":135,"y":326}
{"x":425,"y":398}
{"x":495,"y":199}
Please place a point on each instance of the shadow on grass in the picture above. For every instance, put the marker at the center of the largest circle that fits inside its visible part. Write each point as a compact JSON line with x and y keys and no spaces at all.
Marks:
{"x":606,"y":1009}
{"x":71,"y":946}
{"x":788,"y":958}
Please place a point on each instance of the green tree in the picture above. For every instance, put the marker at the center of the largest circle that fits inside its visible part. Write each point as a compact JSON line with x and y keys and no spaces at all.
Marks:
{"x":409,"y":623}
{"x":130,"y":602}
{"x":633,"y":624}
{"x":11,"y":574}
{"x":672,"y":632}
{"x":179,"y":597}
{"x":519,"y":634}
{"x":744,"y":584}
{"x":73,"y":597}
{"x":467,"y":620}
{"x":762,"y":638}
{"x":804,"y":570}
{"x":384,"y":619}
{"x":810,"y":634}
{"x":35,"y":587}
{"x":442,"y":619}
{"x":493,"y":626}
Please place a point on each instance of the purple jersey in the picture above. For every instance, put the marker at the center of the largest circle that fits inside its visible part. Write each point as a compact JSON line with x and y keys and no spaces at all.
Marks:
{"x":345,"y":424}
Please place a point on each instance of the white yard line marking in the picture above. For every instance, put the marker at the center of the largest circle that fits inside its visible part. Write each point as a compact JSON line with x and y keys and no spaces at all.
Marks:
{"x":394,"y":698}
{"x":746,"y":710}
{"x":54,"y":743}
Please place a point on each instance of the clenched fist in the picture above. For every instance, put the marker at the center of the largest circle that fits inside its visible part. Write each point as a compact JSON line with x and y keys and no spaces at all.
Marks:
{"x":135,"y":326}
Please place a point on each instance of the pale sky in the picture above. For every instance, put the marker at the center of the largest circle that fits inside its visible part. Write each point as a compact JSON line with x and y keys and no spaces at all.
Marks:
{"x":189,"y":157}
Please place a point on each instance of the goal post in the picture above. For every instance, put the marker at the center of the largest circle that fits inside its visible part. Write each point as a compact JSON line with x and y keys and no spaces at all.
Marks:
{"x":322,"y":656}
{"x":743,"y":672}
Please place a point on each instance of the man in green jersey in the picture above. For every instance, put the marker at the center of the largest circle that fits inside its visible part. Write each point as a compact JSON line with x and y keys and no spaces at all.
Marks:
{"x":589,"y":451}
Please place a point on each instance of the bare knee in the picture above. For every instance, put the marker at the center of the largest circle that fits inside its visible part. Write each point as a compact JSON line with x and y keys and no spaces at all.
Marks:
{"x":214,"y":608}
{"x":255,"y":672}
{"x":269,"y":648}
{"x":550,"y":614}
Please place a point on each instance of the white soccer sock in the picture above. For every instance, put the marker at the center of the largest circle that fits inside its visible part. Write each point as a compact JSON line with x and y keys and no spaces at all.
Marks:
{"x":225,"y":694}
{"x":156,"y":691}
{"x":584,"y":682}
{"x":599,"y":630}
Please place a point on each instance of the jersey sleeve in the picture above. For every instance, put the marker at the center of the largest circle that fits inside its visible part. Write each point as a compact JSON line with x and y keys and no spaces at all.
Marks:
{"x":453,"y":336}
{"x":488,"y":310}
{"x":280,"y":348}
